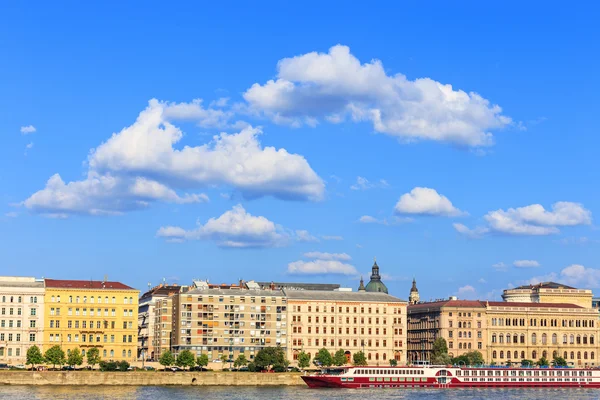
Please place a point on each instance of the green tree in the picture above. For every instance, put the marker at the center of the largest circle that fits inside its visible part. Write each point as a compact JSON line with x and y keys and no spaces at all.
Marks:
{"x":339,"y":358}
{"x":93,"y":356}
{"x":224,"y":358}
{"x":393,"y":362}
{"x":166,"y":359}
{"x":240,"y":361}
{"x":324,"y":357}
{"x":359,"y":359}
{"x":74,"y":358}
{"x":185,"y":359}
{"x":268,"y":357}
{"x":55,"y":356}
{"x":527,"y":363}
{"x":559,"y":362}
{"x":303,"y":360}
{"x":439,"y":352}
{"x":543,"y":362}
{"x":123,"y":365}
{"x":34,"y":356}
{"x":202,"y":360}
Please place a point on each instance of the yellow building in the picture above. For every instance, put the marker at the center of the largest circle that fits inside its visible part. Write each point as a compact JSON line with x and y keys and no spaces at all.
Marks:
{"x":549,"y":292}
{"x":86,"y":314}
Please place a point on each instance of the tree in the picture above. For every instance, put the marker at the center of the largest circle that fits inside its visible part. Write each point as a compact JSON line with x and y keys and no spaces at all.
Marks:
{"x":324,"y":358}
{"x":527,"y":363}
{"x":34,"y":356}
{"x":166,"y":359}
{"x":93,"y":356}
{"x":393,"y":362}
{"x":303,"y":360}
{"x":439,"y":353}
{"x":359,"y":359}
{"x":224,"y":358}
{"x":269,"y":356}
{"x":339,"y":358}
{"x":123,"y":365}
{"x":559,"y":362}
{"x":55,"y":356}
{"x":185,"y":358}
{"x":543,"y":362}
{"x":202,"y":360}
{"x":74,"y":358}
{"x":240,"y":361}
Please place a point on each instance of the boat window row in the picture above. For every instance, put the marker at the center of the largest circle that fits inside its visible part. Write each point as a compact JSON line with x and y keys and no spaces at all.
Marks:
{"x":388,"y":371}
{"x":527,"y":380}
{"x":523,"y":372}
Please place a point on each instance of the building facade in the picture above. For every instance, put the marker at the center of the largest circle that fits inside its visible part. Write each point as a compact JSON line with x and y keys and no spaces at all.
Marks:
{"x":374,"y":323}
{"x":462,"y":323}
{"x":163,"y":326}
{"x":86,"y":314}
{"x":228,"y":322}
{"x":146,"y":319}
{"x":549,"y":292}
{"x":21,"y":317}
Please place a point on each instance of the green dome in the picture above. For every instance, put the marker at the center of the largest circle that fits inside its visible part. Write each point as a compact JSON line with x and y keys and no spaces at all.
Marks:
{"x":375,"y":285}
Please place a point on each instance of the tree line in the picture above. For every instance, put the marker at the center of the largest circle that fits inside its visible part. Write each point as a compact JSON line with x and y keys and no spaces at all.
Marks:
{"x":56,"y":356}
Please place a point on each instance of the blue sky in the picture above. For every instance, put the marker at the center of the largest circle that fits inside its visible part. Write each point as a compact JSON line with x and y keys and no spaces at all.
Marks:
{"x":458,"y":144}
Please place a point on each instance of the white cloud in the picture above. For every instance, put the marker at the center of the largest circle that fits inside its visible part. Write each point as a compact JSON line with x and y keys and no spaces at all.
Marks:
{"x":335,"y":86}
{"x":328,"y":256}
{"x":481,"y":280}
{"x":500,"y":266}
{"x":526,"y":264}
{"x":144,"y":151}
{"x":26,"y":130}
{"x":318,"y":267}
{"x":367,"y":219}
{"x":364,"y":184}
{"x":533,"y":219}
{"x":234,"y":228}
{"x":426,"y":201}
{"x":331,"y":237}
{"x":305,"y":236}
{"x":102,"y":195}
{"x":29,"y":145}
{"x":11,"y":214}
{"x":575,"y":275}
{"x":466,"y":290}
{"x":474,"y":233}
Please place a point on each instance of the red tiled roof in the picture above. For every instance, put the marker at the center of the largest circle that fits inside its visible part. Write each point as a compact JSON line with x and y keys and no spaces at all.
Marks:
{"x":70,"y":284}
{"x":447,"y":303}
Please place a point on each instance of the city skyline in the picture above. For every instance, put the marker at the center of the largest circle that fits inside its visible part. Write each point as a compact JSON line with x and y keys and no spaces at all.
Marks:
{"x":198,"y":143}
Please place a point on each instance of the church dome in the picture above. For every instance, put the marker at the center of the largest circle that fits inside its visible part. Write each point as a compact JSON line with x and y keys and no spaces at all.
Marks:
{"x":375,"y":284}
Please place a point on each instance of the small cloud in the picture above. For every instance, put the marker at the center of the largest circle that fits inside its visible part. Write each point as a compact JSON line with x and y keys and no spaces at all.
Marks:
{"x":321,"y":267}
{"x":305,"y":236}
{"x":26,"y":130}
{"x":359,"y":246}
{"x":500,"y":266}
{"x":526,"y":264}
{"x":328,"y":256}
{"x":336,"y":178}
{"x":219,"y":103}
{"x":327,"y":237}
{"x":12,"y":214}
{"x":426,"y":201}
{"x":29,"y":145}
{"x":475,"y":233}
{"x":365,"y":184}
{"x":466,"y":290}
{"x":367,"y":219}
{"x":481,"y":280}
{"x":225,"y":196}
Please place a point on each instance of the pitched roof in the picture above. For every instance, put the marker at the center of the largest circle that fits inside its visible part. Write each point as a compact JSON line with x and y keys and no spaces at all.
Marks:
{"x":341,"y":296}
{"x":71,"y":284}
{"x":545,"y":285}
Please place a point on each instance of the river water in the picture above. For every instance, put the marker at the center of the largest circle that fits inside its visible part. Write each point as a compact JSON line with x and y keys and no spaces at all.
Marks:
{"x":277,"y":393}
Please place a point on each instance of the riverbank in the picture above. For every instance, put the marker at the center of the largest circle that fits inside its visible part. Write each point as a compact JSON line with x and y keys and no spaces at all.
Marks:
{"x":149,"y":378}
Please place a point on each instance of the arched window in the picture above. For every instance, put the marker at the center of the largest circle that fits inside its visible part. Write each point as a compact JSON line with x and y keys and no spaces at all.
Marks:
{"x":584,"y":339}
{"x":516,"y":354}
{"x":565,"y":355}
{"x":131,"y":300}
{"x":579,"y":355}
{"x":544,"y":338}
{"x":533,"y":340}
{"x":124,"y":353}
{"x":592,"y":339}
{"x":572,"y":339}
{"x":585,"y":355}
{"x":522,"y":355}
{"x":501,"y":354}
{"x":515,"y":338}
{"x":554,"y":354}
{"x":114,"y":300}
{"x":534,"y":355}
{"x":522,"y":338}
{"x":12,"y":299}
{"x":112,"y":353}
{"x":369,"y":356}
{"x":384,"y":356}
{"x":592,"y":355}
{"x":128,"y":353}
{"x":544,"y":354}
{"x":554,"y":338}
{"x":572,"y":355}
{"x":70,"y":299}
{"x":19,"y":300}
{"x":4,"y":299}
{"x":106,"y":299}
{"x":564,"y":339}
{"x":494,"y":354}
{"x":376,"y":356}
{"x":501,"y":338}
{"x":578,"y":339}
{"x":493,"y":337}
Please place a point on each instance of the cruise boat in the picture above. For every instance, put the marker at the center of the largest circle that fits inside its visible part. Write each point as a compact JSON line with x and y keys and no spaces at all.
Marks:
{"x":452,"y":377}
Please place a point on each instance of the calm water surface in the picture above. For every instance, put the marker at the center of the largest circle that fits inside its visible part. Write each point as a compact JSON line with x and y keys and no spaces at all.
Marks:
{"x":253,"y":393}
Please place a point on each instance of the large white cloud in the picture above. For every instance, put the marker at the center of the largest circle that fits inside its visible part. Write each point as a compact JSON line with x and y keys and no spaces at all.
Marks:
{"x":526,"y":263}
{"x":532,"y":220}
{"x":335,"y":85}
{"x":575,"y":275}
{"x":143,"y":155}
{"x":426,"y":201}
{"x":234,"y":228}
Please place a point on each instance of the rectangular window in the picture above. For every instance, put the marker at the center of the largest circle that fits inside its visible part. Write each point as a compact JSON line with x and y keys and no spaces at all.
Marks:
{"x":33,"y":311}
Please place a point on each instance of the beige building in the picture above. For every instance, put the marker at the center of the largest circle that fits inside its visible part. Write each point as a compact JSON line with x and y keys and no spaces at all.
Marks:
{"x":518,"y":331}
{"x":372,"y":322}
{"x":228,"y":322}
{"x":462,"y":323}
{"x":163,"y":326}
{"x":147,"y":319}
{"x":549,"y":292}
{"x":21,"y":317}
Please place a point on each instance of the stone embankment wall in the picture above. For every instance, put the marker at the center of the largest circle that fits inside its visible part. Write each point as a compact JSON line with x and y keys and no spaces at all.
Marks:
{"x":150,"y":378}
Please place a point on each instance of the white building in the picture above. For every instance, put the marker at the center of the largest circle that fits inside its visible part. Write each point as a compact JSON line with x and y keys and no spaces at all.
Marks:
{"x":21,"y":317}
